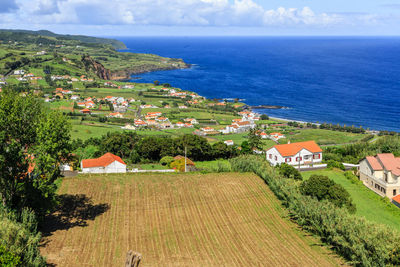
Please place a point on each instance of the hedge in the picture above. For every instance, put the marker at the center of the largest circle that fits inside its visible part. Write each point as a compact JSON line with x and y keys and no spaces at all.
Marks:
{"x":361,"y":242}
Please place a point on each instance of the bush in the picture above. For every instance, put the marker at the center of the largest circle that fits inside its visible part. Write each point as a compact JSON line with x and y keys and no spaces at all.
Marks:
{"x":359,"y":241}
{"x":7,"y":258}
{"x":334,"y":164}
{"x":289,"y":172}
{"x":166,"y":161}
{"x":18,"y":234}
{"x":323,"y":188}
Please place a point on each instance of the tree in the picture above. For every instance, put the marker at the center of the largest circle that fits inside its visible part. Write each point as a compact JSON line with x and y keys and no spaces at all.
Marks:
{"x":323,"y":188}
{"x":166,"y":161}
{"x":289,"y":172}
{"x":33,"y":144}
{"x":264,"y":117}
{"x":255,"y":138}
{"x":156,"y":83}
{"x":120,"y":144}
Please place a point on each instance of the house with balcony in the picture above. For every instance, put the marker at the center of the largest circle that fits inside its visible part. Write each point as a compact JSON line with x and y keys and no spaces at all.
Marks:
{"x":301,"y":154}
{"x":381,"y":174}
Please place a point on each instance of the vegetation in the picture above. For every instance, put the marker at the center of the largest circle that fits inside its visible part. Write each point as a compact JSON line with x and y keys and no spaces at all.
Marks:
{"x":355,"y":152}
{"x":361,"y":242}
{"x":34,"y":143}
{"x":178,"y":219}
{"x":369,"y":205}
{"x":289,"y":171}
{"x":323,"y":188}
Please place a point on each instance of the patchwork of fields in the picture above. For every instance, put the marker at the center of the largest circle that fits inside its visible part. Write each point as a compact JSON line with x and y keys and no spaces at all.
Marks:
{"x":226,"y":219}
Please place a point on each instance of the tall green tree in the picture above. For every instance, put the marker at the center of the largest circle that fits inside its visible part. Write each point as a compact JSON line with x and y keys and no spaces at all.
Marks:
{"x":34,"y":142}
{"x":255,"y":138}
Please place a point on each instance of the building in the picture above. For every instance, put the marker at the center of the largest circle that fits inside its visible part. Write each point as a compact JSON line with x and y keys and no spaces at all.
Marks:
{"x":229,"y":142}
{"x":276,"y":136}
{"x":115,"y":115}
{"x":297,"y":154}
{"x":85,"y":111}
{"x":108,"y":163}
{"x":381,"y":174}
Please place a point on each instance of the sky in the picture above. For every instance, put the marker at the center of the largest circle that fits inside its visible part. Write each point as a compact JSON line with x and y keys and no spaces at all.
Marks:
{"x":204,"y":17}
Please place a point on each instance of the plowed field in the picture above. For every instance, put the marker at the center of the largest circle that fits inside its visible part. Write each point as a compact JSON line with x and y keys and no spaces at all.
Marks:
{"x":227,"y":219}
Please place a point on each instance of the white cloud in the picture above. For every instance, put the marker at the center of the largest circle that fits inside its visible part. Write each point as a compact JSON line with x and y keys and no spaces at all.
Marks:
{"x":205,"y":13}
{"x":171,"y":12}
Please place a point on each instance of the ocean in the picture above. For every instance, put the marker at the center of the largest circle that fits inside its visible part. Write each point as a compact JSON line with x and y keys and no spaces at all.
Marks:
{"x":345,"y":80}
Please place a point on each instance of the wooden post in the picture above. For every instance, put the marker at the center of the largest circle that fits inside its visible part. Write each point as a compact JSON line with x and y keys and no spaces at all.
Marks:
{"x":133,"y":259}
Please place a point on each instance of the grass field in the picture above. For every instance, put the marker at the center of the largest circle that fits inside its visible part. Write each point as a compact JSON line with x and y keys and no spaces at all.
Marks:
{"x":194,"y":219}
{"x":325,"y":137}
{"x":368,"y":204}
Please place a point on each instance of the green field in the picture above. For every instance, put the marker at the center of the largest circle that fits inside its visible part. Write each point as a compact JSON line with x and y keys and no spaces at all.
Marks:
{"x":324,"y":137}
{"x":368,"y":203}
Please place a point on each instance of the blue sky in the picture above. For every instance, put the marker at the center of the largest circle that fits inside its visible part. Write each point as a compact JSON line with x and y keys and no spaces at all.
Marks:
{"x":204,"y":17}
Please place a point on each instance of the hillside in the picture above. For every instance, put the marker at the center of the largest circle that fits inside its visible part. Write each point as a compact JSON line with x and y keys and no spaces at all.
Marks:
{"x":36,"y":50}
{"x":22,"y":35}
{"x":193,"y":219}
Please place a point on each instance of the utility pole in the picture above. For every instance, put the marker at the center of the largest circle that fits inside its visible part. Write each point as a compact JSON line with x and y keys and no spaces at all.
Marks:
{"x":185,"y":158}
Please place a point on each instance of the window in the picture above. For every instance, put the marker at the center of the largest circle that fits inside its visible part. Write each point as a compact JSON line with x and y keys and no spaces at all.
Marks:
{"x":288,"y":159}
{"x":317,"y":156}
{"x":394,"y":192}
{"x":298,"y":159}
{"x":386,"y":177}
{"x":276,"y":157}
{"x":270,"y":156}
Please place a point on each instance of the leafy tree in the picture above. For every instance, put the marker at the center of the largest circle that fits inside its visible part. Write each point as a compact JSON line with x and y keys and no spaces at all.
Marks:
{"x":120,"y":144}
{"x":289,"y":171}
{"x":221,"y":150}
{"x":197,"y":147}
{"x":264,"y":117}
{"x":246,"y":148}
{"x":255,"y":138}
{"x":33,"y":144}
{"x":166,"y":161}
{"x":321,"y":187}
{"x":156,"y":83}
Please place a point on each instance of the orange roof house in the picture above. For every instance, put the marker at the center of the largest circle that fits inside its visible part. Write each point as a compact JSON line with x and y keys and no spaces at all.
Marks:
{"x":294,"y":148}
{"x":108,"y":163}
{"x":85,"y":111}
{"x":301,"y":153}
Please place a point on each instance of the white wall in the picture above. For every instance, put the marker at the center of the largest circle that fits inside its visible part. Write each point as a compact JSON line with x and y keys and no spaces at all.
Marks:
{"x":115,"y":167}
{"x":279,"y":159}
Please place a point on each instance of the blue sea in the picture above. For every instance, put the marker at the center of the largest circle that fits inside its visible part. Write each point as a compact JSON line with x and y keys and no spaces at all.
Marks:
{"x":345,"y":80}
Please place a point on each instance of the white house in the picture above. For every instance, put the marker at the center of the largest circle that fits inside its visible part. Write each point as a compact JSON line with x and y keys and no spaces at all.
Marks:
{"x":297,"y":154}
{"x":229,"y":142}
{"x":108,"y":163}
{"x":381,"y":174}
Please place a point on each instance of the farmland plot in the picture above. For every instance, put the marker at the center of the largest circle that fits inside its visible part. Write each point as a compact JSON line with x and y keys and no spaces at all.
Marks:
{"x":227,"y":219}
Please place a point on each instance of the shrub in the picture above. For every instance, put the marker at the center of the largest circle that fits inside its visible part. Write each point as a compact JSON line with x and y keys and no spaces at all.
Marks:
{"x":19,"y":236}
{"x":166,"y":161}
{"x":7,"y":258}
{"x":334,"y":164}
{"x":359,"y":241}
{"x":323,"y":188}
{"x":289,"y":172}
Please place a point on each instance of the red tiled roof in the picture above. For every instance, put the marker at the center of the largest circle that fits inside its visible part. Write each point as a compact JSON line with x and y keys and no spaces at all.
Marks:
{"x":103,"y":161}
{"x":292,"y":149}
{"x":375,"y":165}
{"x":396,"y":198}
{"x":390,"y":163}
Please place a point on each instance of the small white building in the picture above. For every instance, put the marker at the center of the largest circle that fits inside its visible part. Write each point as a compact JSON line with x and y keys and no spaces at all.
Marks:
{"x":229,"y":142}
{"x":108,"y":163}
{"x":296,"y":154}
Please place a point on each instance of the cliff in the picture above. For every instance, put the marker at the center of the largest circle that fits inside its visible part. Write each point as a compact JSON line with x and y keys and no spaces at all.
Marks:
{"x":92,"y":65}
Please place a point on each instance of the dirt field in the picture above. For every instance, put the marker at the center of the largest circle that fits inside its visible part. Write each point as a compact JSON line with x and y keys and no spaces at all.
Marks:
{"x":225,"y":219}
